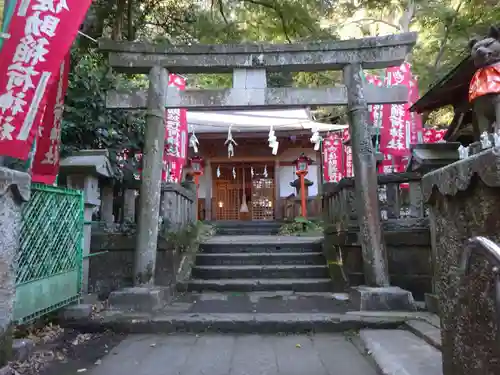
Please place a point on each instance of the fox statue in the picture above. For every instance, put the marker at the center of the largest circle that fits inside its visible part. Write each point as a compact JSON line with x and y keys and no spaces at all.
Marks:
{"x":484,"y":88}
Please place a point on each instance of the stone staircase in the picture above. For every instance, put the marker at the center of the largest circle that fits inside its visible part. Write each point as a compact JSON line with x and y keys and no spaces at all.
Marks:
{"x":271,"y":284}
{"x":239,"y":228}
{"x":260,"y":263}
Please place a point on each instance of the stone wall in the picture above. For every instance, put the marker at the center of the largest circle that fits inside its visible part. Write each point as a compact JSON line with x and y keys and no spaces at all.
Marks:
{"x":113,"y":269}
{"x":405,"y":229}
{"x":408,"y":252}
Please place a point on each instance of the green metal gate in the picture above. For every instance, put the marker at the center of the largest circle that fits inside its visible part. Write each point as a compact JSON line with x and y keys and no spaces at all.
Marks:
{"x":49,"y":260}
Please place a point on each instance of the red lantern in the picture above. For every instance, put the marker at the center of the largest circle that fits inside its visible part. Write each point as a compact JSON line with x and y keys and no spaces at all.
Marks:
{"x":197,"y":165}
{"x":197,"y":170}
{"x":302,"y":164}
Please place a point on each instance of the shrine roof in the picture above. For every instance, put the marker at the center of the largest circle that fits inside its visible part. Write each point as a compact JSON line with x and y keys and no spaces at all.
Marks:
{"x":256,"y":121}
{"x":451,"y":89}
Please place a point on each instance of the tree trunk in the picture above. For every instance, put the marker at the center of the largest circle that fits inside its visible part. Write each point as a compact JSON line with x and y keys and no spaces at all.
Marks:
{"x":118,"y":26}
{"x":130,"y":20}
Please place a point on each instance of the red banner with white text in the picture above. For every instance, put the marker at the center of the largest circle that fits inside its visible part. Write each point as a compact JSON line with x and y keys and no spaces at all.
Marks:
{"x":348,"y":166}
{"x":416,"y":125}
{"x":175,"y":152}
{"x":376,"y":109}
{"x":40,"y":35}
{"x":45,"y":165}
{"x":396,"y":118}
{"x":332,"y":158}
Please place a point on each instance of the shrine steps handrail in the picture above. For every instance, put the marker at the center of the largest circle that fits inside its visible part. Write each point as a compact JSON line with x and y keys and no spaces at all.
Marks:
{"x":492,"y":252}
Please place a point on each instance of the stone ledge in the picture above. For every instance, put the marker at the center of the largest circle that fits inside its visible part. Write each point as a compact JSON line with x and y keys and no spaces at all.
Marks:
{"x":140,"y":299}
{"x":20,"y":182}
{"x":178,"y":189}
{"x":230,"y":323}
{"x":392,"y":298}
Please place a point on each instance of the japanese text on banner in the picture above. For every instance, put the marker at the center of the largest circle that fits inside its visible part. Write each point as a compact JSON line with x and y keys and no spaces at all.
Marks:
{"x":375,"y":110}
{"x":396,"y":118}
{"x":46,"y":162}
{"x":348,"y":167}
{"x":174,"y":155}
{"x":41,"y":33}
{"x":415,"y":118}
{"x":332,"y":158}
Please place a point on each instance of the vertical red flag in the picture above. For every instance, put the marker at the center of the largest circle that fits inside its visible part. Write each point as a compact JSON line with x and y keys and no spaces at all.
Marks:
{"x":387,"y":165}
{"x":46,"y":161}
{"x":376,"y":109}
{"x":416,"y":118}
{"x":348,"y":167}
{"x":39,"y":36}
{"x":396,"y":118}
{"x":332,"y":158}
{"x":176,"y":132}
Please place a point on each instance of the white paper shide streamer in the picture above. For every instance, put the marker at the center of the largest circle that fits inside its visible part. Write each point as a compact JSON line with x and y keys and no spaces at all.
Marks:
{"x":230,"y":143}
{"x":273,"y":141}
{"x":193,"y":142}
{"x":316,"y":139}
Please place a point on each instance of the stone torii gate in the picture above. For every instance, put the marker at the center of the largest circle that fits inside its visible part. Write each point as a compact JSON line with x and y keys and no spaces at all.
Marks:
{"x":249,"y":65}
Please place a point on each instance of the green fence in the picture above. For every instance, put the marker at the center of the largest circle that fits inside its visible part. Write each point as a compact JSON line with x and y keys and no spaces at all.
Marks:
{"x":49,"y":260}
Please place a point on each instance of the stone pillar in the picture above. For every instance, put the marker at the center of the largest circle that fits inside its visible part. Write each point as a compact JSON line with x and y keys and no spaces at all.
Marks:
{"x":463,"y":198}
{"x":365,"y":175}
{"x":90,"y":186}
{"x":14,"y":191}
{"x":129,"y":205}
{"x":107,"y":199}
{"x":150,"y":192}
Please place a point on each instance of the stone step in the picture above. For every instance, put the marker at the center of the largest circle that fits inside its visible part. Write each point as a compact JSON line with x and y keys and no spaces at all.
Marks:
{"x":289,"y":323}
{"x":259,"y":271}
{"x":213,"y":259}
{"x":257,"y":285}
{"x":427,"y":332}
{"x":265,"y":231}
{"x":257,"y":247}
{"x":399,"y":352}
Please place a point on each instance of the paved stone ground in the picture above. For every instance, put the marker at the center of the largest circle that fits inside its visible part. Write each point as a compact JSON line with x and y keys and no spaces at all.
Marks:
{"x":234,"y":355}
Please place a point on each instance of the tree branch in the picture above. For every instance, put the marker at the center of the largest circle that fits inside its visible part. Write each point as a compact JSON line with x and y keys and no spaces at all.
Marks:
{"x":444,"y":41}
{"x":372,"y":21}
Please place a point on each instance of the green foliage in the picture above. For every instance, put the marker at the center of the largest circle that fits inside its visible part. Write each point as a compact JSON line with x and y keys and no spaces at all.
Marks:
{"x":443,"y":26}
{"x":300,"y":226}
{"x":88,"y":124}
{"x":187,"y":238}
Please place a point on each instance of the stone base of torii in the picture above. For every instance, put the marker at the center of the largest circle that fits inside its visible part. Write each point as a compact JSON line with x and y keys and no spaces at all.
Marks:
{"x":249,"y":65}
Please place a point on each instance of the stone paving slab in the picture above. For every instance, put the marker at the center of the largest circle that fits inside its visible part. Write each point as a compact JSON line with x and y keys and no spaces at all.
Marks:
{"x":426,"y":331}
{"x":399,"y":352}
{"x":258,"y":302}
{"x":234,"y":355}
{"x":132,"y":322}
